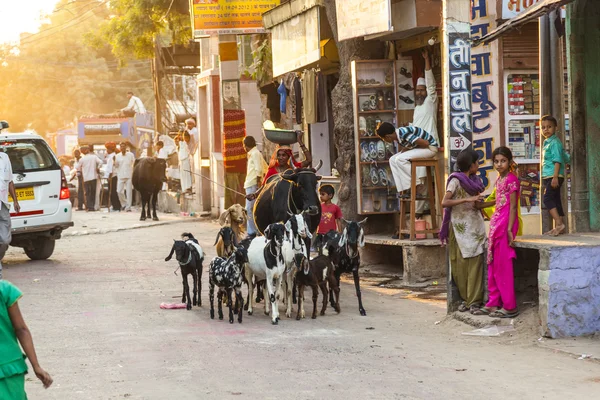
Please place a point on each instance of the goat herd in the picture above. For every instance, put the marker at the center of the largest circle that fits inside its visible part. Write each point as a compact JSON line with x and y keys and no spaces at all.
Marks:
{"x":278,"y":262}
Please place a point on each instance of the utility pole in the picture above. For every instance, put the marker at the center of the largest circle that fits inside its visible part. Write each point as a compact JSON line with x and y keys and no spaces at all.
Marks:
{"x":156,"y":72}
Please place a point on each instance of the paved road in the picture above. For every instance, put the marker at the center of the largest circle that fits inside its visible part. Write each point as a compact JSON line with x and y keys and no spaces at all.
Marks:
{"x":93,"y":310}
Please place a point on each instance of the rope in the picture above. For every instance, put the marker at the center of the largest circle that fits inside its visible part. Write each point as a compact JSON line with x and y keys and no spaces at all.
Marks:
{"x":216,"y":183}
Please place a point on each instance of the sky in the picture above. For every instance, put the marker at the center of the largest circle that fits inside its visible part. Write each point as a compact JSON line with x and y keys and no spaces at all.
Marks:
{"x":22,"y":16}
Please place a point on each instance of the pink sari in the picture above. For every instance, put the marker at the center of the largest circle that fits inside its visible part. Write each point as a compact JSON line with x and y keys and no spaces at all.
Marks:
{"x":500,"y":254}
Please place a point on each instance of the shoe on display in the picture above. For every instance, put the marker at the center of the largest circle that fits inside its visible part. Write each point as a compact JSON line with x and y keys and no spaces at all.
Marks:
{"x":406,"y":86}
{"x":374,"y":176}
{"x":383,"y":177}
{"x":372,"y":151}
{"x":405,"y":72}
{"x":380,"y":150}
{"x":407,"y":100}
{"x":364,"y":152}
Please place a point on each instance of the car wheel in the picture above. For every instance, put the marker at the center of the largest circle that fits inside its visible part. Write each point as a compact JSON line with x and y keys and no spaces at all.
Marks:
{"x":43,"y":248}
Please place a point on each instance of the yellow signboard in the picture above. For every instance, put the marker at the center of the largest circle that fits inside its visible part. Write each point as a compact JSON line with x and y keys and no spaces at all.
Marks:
{"x":222,"y":17}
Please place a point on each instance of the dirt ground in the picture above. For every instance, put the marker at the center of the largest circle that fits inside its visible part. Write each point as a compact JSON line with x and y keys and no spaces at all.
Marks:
{"x":94,"y":313}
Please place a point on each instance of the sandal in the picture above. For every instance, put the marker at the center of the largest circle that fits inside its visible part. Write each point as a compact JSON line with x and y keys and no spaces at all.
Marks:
{"x":483,"y":311}
{"x":502,"y":313}
{"x":405,"y":72}
{"x":374,"y":176}
{"x":383,"y":178}
{"x":364,"y":151}
{"x":372,"y":151}
{"x":463,"y":307}
{"x":380,"y":150}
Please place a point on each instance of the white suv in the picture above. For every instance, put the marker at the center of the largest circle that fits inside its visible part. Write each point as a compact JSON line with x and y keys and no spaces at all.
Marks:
{"x":42,"y":191}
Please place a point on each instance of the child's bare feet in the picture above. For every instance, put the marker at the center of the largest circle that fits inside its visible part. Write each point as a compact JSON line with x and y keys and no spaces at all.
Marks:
{"x":558,"y":230}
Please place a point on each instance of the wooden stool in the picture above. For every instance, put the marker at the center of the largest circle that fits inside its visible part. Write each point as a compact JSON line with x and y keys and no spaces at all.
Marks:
{"x":428,"y":163}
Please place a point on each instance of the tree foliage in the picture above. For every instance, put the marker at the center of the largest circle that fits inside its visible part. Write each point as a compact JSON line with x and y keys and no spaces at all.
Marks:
{"x":52,"y":77}
{"x":135,"y":23}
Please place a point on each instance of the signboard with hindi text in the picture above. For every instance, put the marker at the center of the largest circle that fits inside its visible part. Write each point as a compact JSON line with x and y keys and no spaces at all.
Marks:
{"x":358,"y":18}
{"x":512,"y":8}
{"x":223,"y":17}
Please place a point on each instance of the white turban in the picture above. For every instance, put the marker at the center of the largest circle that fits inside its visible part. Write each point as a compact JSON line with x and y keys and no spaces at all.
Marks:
{"x":421,"y":82}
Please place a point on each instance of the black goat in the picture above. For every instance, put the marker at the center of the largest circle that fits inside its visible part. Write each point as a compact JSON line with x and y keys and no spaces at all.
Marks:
{"x":227,"y":274}
{"x":343,"y":252}
{"x":193,"y":242}
{"x":315,"y":273}
{"x":189,"y":262}
{"x":225,"y":242}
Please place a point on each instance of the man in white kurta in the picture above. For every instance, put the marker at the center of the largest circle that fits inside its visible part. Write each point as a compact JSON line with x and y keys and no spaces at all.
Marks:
{"x":135,"y":105}
{"x":185,"y":175}
{"x":6,"y":186}
{"x":425,"y":117}
{"x":124,"y":166}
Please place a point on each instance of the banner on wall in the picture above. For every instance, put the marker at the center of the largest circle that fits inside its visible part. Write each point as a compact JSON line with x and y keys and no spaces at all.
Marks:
{"x":358,"y":18}
{"x":486,"y":90}
{"x":512,"y":8}
{"x":223,"y":17}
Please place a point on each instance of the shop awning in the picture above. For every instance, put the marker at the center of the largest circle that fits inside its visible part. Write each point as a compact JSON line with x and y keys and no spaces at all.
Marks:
{"x":542,"y":8}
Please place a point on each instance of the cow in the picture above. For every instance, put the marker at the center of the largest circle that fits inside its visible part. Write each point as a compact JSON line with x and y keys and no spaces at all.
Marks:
{"x":292,"y":192}
{"x":148,"y":177}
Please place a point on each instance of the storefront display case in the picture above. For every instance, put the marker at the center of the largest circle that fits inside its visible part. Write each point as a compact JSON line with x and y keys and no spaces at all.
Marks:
{"x":377,"y":98}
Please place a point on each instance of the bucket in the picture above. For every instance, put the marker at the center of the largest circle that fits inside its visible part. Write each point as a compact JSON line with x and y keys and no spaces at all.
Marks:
{"x":421,"y":225}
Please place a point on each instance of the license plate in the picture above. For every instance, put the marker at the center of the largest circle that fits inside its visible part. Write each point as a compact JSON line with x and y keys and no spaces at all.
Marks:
{"x":25,"y":193}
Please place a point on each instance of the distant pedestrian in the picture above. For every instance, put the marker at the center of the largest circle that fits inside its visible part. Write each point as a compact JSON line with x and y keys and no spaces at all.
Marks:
{"x":185,"y":167}
{"x":504,"y":227}
{"x":14,"y":330}
{"x":79,"y":177}
{"x":161,"y":152}
{"x":554,"y":159}
{"x":6,"y":186}
{"x":124,"y":164}
{"x":190,"y":127}
{"x":111,"y":175}
{"x":89,"y":167}
{"x":255,"y":170}
{"x":463,"y":229}
{"x":135,"y":106}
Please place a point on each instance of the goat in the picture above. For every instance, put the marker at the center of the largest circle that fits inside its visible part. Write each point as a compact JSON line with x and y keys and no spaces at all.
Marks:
{"x":315,"y":273}
{"x":265,"y":261}
{"x":225,"y":242}
{"x":188,"y":260}
{"x":237,"y":218}
{"x":296,"y":233}
{"x":343,"y":251}
{"x":192,"y":241}
{"x":227,"y":275}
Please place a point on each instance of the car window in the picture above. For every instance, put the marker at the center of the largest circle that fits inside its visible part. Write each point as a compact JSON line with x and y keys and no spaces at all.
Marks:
{"x":29,"y":155}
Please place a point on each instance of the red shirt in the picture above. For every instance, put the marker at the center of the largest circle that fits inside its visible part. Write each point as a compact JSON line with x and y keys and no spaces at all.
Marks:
{"x":329,"y":214}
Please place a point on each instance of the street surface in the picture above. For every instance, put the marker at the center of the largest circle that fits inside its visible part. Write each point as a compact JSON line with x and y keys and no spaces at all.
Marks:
{"x":94,"y":313}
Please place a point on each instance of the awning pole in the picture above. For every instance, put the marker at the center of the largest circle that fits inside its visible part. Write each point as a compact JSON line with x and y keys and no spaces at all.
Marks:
{"x":545,"y":103}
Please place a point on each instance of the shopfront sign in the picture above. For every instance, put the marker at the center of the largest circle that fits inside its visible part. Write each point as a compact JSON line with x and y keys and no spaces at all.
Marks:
{"x":485,"y":83}
{"x":222,"y":17}
{"x":512,"y":8}
{"x":358,"y":18}
{"x":296,"y":42}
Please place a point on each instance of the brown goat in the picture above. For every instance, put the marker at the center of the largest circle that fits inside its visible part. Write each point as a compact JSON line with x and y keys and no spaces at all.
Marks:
{"x":316,"y":273}
{"x":236,"y":218}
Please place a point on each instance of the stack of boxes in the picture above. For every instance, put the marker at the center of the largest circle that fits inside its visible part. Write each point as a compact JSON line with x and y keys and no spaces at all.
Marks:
{"x":524,"y":139}
{"x":523,"y":95}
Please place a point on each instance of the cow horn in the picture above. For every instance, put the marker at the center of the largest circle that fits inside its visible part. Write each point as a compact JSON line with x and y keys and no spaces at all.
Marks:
{"x":363,"y":221}
{"x":319,"y":165}
{"x":290,"y":214}
{"x":346,"y":221}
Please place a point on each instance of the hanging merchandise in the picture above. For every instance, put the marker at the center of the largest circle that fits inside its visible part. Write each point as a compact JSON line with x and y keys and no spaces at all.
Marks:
{"x":406,"y":90}
{"x":321,"y":97}
{"x":309,"y":90}
{"x":297,"y":88}
{"x":283,"y":92}
{"x":272,"y":101}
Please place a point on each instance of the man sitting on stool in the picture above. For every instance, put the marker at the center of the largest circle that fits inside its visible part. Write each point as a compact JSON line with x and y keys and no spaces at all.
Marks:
{"x":414,"y":143}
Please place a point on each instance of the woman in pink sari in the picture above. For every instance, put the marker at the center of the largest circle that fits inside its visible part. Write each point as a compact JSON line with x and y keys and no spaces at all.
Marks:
{"x":504,"y":226}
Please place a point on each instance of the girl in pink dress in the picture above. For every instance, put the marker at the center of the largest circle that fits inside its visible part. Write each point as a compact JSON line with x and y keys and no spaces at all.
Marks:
{"x":504,"y":226}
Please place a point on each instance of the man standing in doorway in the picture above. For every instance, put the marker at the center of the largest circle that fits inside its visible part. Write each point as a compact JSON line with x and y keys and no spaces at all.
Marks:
{"x":6,"y":186}
{"x":111,"y":175}
{"x":124,"y":164}
{"x":254,"y":175}
{"x":135,"y":106}
{"x":89,"y":167}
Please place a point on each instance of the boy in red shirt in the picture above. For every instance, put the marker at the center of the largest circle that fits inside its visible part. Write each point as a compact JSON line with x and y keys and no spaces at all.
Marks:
{"x":331,"y":214}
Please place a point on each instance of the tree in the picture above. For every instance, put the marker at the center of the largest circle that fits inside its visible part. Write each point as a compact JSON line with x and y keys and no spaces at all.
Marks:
{"x":343,"y":114}
{"x":53,"y":76}
{"x":136,"y":23}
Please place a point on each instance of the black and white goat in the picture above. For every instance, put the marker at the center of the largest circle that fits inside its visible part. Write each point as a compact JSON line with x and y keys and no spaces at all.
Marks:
{"x":343,"y":252}
{"x":225,"y":242}
{"x":316,"y":273}
{"x":295,"y":243}
{"x":227,"y":275}
{"x":265,"y":261}
{"x":190,"y":256}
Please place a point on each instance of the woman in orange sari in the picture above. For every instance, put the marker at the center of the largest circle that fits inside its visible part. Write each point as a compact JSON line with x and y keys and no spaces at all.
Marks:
{"x":283,"y":160}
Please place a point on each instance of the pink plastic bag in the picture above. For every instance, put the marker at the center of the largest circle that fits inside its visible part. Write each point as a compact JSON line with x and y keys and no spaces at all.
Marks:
{"x":172,"y":306}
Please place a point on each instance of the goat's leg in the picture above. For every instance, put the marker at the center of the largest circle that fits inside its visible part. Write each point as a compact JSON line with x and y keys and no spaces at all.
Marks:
{"x":249,"y":274}
{"x":289,"y":285}
{"x":336,"y":276}
{"x":186,"y":290}
{"x":211,"y":298}
{"x":300,"y":304}
{"x":315,"y":296}
{"x":220,"y":303}
{"x":358,"y":294}
{"x":260,"y":293}
{"x":271,"y":297}
{"x":275,"y":305}
{"x":323,"y":286}
{"x":266,"y":297}
{"x":199,"y":273}
{"x":230,"y":305}
{"x":294,"y":294}
{"x":335,"y":288}
{"x":240,"y":296}
{"x":195,"y":287}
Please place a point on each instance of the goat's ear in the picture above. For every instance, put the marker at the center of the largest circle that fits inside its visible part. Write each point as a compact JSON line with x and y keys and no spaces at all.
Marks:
{"x":223,"y":218}
{"x":343,"y":239}
{"x":288,"y":225}
{"x":268,"y":232}
{"x":361,"y":238}
{"x":217,"y":239}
